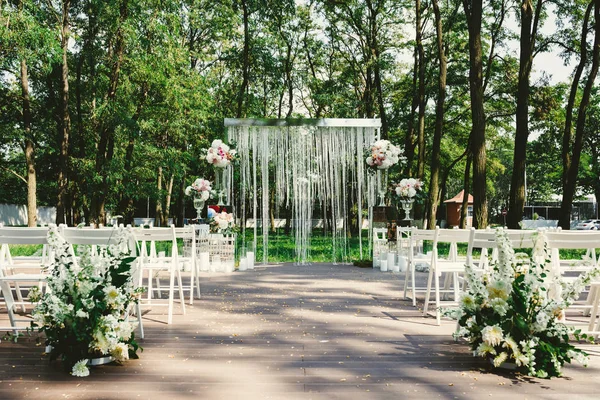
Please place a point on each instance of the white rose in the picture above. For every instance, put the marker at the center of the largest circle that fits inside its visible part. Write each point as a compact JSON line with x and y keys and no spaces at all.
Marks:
{"x":188,"y":190}
{"x":411,"y":192}
{"x":204,"y":195}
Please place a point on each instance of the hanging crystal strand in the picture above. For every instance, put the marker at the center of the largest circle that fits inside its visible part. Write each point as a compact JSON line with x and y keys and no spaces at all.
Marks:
{"x":359,"y":183}
{"x":264,"y":175}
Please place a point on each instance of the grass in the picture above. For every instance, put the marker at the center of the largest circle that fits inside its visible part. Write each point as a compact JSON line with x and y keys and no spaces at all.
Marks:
{"x":282,"y":248}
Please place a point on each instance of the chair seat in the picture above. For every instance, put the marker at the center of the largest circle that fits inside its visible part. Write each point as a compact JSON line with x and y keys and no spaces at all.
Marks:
{"x":24,"y":278}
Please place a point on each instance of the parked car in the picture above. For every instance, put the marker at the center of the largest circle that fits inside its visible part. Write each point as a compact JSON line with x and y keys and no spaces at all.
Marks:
{"x":588,"y":224}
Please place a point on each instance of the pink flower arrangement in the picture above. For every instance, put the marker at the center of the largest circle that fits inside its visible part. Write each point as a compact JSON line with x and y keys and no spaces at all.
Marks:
{"x":219,"y":154}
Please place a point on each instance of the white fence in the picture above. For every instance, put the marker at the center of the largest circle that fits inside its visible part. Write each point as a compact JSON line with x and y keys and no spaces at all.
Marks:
{"x":13,"y":215}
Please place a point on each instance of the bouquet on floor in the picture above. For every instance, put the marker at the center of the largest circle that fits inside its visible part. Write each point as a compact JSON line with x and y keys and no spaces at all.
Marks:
{"x":84,"y":313}
{"x":222,"y":222}
{"x":200,"y":188}
{"x":408,"y":188}
{"x":220,"y":154}
{"x":382,"y":155}
{"x":511,"y":313}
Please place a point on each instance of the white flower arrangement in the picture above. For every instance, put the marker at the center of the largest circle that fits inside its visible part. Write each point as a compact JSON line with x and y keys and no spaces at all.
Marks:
{"x":222,"y":222}
{"x":510,"y":314}
{"x":200,"y":187}
{"x":382,"y":154}
{"x":84,"y":313}
{"x":220,"y":154}
{"x":408,"y":188}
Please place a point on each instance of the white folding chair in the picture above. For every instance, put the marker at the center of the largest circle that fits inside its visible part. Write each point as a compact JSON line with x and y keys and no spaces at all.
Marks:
{"x":570,"y":269}
{"x":380,"y":245}
{"x":189,"y":257}
{"x":452,"y":267}
{"x":415,"y":256}
{"x":156,"y":263}
{"x":10,"y":268}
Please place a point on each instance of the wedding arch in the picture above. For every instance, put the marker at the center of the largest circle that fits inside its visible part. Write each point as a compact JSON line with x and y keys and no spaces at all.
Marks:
{"x":304,"y":163}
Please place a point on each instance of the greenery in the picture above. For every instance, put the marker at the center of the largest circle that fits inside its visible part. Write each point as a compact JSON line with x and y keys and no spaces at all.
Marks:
{"x":105,"y":104}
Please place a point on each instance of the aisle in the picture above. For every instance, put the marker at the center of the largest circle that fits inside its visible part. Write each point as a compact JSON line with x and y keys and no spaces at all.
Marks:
{"x":286,"y":332}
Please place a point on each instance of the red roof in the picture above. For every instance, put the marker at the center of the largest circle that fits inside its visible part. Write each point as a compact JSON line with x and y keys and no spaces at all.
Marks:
{"x":459,"y":198}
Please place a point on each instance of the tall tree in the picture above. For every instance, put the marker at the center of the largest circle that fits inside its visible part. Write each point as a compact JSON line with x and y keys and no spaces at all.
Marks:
{"x":530,"y":21}
{"x":570,"y":169}
{"x":419,"y":26}
{"x":65,"y":125}
{"x":434,"y":194}
{"x":473,"y":11}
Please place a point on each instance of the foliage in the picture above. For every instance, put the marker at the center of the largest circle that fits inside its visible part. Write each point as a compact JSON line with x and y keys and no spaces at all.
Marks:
{"x":85,"y":312}
{"x":511,"y":313}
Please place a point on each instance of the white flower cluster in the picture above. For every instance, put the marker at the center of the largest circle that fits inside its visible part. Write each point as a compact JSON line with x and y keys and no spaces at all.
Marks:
{"x":219,"y":154}
{"x":520,"y":297}
{"x":383,"y":154}
{"x":408,"y":187}
{"x":93,"y":285}
{"x":201,"y":187}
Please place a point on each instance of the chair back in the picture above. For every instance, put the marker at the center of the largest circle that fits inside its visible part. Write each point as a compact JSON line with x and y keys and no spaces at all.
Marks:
{"x":98,"y":237}
{"x":452,"y":236}
{"x":417,"y":237}
{"x":152,"y":236}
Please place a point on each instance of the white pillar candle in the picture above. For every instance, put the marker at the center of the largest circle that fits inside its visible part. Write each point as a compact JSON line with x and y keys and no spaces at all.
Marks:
{"x":376,"y":261}
{"x":243,"y":264}
{"x":229,"y":266}
{"x":392,"y":266}
{"x":384,"y":266}
{"x":204,"y":261}
{"x":250,"y":257}
{"x":401,"y":263}
{"x":215,"y":265}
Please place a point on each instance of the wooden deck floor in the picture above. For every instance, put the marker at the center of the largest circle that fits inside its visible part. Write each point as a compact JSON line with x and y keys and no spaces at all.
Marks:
{"x":287,"y":332}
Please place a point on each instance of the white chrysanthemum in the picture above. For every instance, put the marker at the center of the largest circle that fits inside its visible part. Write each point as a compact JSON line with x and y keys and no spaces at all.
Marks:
{"x":484,"y":349}
{"x":499,"y":289}
{"x":467,"y":301}
{"x":80,"y":369}
{"x":100,"y":343}
{"x":120,"y":352}
{"x":500,"y":306}
{"x":81,"y":314}
{"x":500,"y":358}
{"x":112,"y":294}
{"x":509,"y":343}
{"x":492,"y":335}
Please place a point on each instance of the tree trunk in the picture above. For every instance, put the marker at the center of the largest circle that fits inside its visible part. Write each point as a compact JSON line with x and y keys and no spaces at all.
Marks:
{"x":473,"y":11}
{"x":29,"y":150}
{"x":63,"y":171}
{"x":439,"y":122}
{"x":570,"y":183}
{"x":104,"y":152}
{"x":167,"y":209}
{"x":245,"y":62}
{"x":158,"y":218}
{"x":375,"y":54}
{"x":464,"y":208}
{"x":409,"y":144}
{"x":517,"y":188}
{"x":421,"y":96}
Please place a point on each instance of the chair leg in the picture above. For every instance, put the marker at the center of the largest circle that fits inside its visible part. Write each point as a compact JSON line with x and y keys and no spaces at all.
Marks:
{"x":138,"y":311}
{"x":428,"y":291}
{"x":197,"y":266}
{"x":192,"y":280}
{"x":406,"y":278}
{"x":10,"y":303}
{"x":171,"y":294}
{"x":19,"y":296}
{"x":437,"y":299}
{"x":181,"y":296}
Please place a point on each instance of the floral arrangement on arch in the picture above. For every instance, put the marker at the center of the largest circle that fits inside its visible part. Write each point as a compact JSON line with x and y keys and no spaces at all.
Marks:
{"x":200,"y":187}
{"x":220,"y":154}
{"x":84,"y":313}
{"x":382,"y":155}
{"x":222,"y":222}
{"x":408,"y":188}
{"x":511,"y":313}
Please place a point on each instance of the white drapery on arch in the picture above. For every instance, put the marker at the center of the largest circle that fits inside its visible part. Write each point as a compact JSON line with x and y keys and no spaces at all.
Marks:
{"x":309,"y":162}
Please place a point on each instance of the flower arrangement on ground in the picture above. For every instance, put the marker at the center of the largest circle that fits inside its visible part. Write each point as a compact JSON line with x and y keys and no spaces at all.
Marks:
{"x":201,"y":188}
{"x":84,"y":313}
{"x":408,"y":188}
{"x":223,"y":222}
{"x":220,"y":154}
{"x":382,"y":154}
{"x":512,"y":313}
